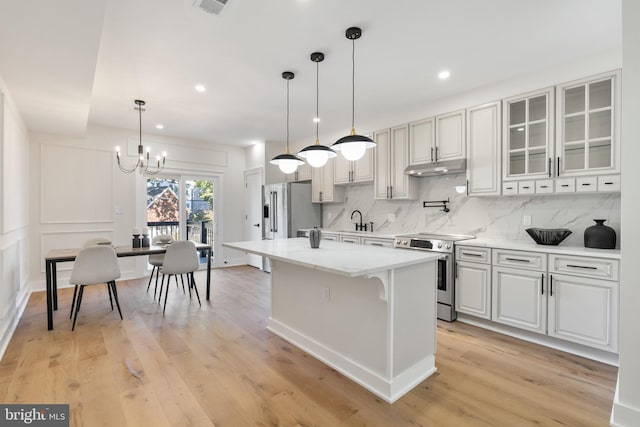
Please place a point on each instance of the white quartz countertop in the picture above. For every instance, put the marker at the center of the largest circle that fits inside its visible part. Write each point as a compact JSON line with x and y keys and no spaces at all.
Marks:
{"x":345,"y":259}
{"x":522,"y":245}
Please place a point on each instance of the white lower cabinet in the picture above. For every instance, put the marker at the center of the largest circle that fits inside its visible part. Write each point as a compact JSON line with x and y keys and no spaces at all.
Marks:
{"x":473,"y":281}
{"x":519,"y":299}
{"x":573,"y":298}
{"x":349,"y":239}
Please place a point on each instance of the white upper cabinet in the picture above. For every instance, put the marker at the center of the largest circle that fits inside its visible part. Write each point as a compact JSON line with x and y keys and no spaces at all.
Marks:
{"x":348,"y":172}
{"x":422,"y":141}
{"x":303,"y":173}
{"x":322,"y":188}
{"x":483,"y":150}
{"x":437,"y":138}
{"x":392,"y":157}
{"x":450,"y":136}
{"x":588,"y":122}
{"x":528,"y":135}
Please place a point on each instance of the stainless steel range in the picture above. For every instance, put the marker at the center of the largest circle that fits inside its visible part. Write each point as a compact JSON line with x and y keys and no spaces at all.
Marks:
{"x":444,"y":244}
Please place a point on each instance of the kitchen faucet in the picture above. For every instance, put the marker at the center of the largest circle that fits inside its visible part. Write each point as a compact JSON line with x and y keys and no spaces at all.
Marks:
{"x":359,"y":226}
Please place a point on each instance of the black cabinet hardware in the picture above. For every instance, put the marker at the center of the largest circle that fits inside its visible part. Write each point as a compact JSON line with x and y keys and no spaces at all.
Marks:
{"x":517,"y":259}
{"x":582,"y":266}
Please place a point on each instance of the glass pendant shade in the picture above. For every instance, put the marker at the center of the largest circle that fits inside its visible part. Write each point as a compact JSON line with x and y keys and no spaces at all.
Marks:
{"x":288,"y":163}
{"x":353,"y":146}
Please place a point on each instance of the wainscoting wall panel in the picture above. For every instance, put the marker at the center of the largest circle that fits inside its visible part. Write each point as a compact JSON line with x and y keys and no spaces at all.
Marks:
{"x":66,"y":196}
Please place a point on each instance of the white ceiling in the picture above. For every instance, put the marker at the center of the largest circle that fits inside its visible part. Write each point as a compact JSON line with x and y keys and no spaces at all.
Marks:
{"x":68,"y":63}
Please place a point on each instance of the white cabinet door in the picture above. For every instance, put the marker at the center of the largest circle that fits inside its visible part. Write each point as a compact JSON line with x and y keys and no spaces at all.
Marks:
{"x":528,"y":135}
{"x":519,"y":299}
{"x":588,"y":122}
{"x":450,"y":136}
{"x":399,"y":182}
{"x":473,"y":289}
{"x":342,"y":170}
{"x":483,"y":150}
{"x":381,"y":181}
{"x":362,"y":169}
{"x":584,"y":311}
{"x":422,"y":137}
{"x":322,"y":189}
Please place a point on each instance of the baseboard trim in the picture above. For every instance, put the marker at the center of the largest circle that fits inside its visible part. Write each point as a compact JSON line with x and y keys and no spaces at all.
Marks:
{"x":569,"y":347}
{"x":387,"y":389}
{"x":17,"y":312}
{"x":621,"y":414}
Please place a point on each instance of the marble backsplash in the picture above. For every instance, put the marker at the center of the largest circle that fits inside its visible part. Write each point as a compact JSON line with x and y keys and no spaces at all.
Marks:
{"x":488,"y":217}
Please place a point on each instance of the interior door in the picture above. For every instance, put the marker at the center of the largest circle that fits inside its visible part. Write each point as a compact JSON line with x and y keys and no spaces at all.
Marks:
{"x":253,"y":215}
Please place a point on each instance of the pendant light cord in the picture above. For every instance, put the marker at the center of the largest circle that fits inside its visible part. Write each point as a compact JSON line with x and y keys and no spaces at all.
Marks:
{"x":317,"y":100}
{"x":287,"y":116}
{"x":353,"y":83}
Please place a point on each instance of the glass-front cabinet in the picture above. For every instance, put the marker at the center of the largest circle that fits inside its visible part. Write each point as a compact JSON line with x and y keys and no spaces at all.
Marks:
{"x":528,"y":135}
{"x":588,"y":118}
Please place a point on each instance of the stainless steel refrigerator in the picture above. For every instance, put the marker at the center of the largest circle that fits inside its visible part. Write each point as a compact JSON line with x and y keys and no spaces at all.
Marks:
{"x":287,"y":207}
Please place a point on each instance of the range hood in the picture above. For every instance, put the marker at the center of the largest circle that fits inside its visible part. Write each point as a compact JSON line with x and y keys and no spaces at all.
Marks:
{"x":446,"y":167}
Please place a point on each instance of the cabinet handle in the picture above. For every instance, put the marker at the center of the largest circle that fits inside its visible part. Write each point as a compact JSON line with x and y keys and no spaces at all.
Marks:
{"x":586,"y":184}
{"x":564,"y":185}
{"x":509,"y":188}
{"x":517,"y":259}
{"x":542,"y":285}
{"x":436,"y":154}
{"x":550,"y":163}
{"x":457,"y":266}
{"x":551,"y":285}
{"x":376,"y":244}
{"x":321,"y":196}
{"x":608,"y":183}
{"x":558,"y":169}
{"x":470,"y":254}
{"x":582,"y":266}
{"x":432,"y":154}
{"x":467,"y":187}
{"x":544,"y":186}
{"x":391,"y":191}
{"x":525,"y":187}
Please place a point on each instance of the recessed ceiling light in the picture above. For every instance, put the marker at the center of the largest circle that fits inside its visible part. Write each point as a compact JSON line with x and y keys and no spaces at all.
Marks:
{"x":200,"y":88}
{"x":159,"y":126}
{"x":444,"y":74}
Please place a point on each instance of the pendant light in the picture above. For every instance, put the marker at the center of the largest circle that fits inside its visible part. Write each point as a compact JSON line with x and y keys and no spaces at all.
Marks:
{"x":317,"y":155}
{"x":287,"y":162}
{"x":142,"y":165}
{"x":353,"y":146}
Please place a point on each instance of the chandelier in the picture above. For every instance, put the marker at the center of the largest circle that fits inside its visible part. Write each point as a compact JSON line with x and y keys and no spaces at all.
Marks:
{"x":143,"y":159}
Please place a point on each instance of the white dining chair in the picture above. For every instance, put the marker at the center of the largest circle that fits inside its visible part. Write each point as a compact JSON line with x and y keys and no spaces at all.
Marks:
{"x":94,"y":265}
{"x":181,"y":258}
{"x":157,"y":259}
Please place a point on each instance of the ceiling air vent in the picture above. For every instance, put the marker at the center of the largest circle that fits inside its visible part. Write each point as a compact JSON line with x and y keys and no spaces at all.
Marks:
{"x":210,"y":6}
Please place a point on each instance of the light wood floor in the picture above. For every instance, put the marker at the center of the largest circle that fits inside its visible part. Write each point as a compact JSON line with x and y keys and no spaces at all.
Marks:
{"x":218,"y":365}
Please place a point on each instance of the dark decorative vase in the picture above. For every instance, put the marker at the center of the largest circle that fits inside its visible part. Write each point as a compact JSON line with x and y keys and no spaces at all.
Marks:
{"x":600,"y":236}
{"x":314,"y":237}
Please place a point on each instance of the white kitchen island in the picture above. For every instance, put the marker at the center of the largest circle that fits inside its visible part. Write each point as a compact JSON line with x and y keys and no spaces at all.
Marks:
{"x":369,"y":312}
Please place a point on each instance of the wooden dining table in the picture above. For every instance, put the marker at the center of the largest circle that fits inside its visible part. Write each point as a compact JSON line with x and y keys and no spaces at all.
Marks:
{"x":56,"y":256}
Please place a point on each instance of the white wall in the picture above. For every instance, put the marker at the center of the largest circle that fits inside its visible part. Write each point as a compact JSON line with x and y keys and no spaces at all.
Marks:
{"x":14,"y":219}
{"x":626,"y":407}
{"x":78,"y":192}
{"x":255,"y":156}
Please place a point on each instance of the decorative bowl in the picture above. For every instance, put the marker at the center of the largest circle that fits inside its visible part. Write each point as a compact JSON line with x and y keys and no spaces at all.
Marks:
{"x":548,"y":236}
{"x":165,"y":239}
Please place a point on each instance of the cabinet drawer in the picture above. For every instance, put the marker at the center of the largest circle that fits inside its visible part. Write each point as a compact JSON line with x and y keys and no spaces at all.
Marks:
{"x":473,"y":254}
{"x":520,"y":259}
{"x":509,"y":188}
{"x":372,"y":241}
{"x":609,"y":183}
{"x":350,"y":239}
{"x":526,"y":187}
{"x":330,"y":236}
{"x":584,"y":266}
{"x":544,"y":186}
{"x":586,"y":184}
{"x":565,"y":185}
